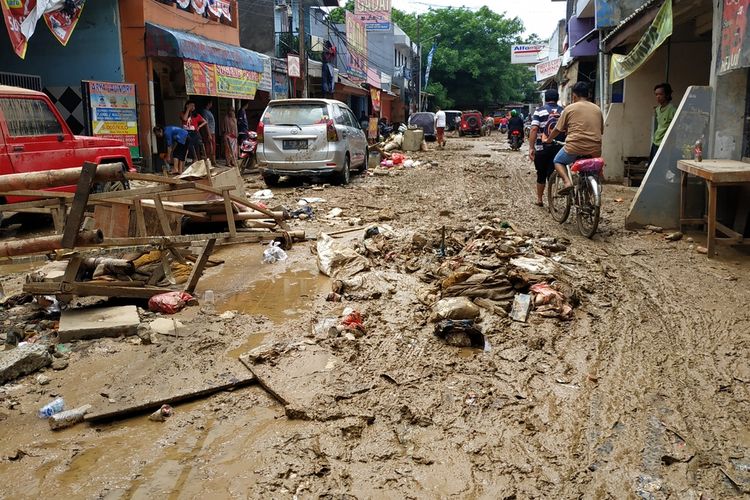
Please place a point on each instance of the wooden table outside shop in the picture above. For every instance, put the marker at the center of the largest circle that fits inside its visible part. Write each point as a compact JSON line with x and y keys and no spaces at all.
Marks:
{"x":716,"y":173}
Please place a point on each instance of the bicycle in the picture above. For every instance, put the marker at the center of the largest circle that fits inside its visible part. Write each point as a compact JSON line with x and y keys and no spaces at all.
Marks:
{"x":586,"y":195}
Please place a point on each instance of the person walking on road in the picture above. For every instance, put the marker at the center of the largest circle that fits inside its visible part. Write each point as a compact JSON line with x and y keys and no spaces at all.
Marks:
{"x":440,"y":122}
{"x":543,"y":121}
{"x":664,"y":112}
{"x":583,"y":124}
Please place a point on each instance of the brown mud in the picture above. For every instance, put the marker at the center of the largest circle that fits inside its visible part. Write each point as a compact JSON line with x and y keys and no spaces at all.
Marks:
{"x":643,"y":394}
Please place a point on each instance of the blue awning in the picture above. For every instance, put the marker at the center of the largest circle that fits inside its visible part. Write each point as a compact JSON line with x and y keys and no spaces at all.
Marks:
{"x":167,"y":42}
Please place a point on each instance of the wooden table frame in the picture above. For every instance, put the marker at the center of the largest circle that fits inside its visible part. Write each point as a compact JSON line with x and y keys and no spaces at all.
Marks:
{"x":716,"y":173}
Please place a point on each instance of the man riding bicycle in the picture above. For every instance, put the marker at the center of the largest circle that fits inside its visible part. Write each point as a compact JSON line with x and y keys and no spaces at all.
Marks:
{"x":583,"y":124}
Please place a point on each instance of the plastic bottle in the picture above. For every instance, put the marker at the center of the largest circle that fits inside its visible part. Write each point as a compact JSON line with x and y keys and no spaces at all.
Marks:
{"x":50,"y":409}
{"x":698,"y":150}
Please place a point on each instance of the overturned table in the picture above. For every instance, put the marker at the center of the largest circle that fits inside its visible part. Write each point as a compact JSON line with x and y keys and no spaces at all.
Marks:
{"x":716,"y":173}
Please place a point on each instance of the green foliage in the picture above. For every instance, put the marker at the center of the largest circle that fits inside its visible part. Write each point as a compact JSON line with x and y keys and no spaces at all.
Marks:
{"x":338,"y":15}
{"x":471,"y":68}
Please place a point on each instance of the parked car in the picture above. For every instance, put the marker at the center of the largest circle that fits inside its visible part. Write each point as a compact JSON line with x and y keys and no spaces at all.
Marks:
{"x":309,"y":137}
{"x":471,"y":123}
{"x":35,"y":138}
{"x":452,"y":120}
{"x":425,"y":121}
{"x":497,"y":117}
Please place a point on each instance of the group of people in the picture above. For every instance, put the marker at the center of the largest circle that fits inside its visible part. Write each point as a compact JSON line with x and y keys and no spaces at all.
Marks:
{"x":197,"y":135}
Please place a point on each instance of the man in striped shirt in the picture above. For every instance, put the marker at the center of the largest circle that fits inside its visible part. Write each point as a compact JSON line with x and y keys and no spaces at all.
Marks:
{"x":543,"y":155}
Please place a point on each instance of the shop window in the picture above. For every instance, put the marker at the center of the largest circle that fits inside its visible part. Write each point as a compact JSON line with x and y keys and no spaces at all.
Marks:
{"x":29,"y":117}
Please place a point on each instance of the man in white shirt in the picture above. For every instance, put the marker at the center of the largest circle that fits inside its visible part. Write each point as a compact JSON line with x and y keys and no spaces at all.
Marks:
{"x":440,"y":127}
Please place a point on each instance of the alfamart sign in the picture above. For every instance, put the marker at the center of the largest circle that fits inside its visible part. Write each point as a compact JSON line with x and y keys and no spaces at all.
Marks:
{"x":526,"y":54}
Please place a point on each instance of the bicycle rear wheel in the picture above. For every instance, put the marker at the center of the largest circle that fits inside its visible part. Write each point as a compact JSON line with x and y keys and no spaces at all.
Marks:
{"x":589,"y":210}
{"x":559,"y":205}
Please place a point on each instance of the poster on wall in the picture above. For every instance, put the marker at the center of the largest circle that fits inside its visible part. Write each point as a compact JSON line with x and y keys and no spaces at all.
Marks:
{"x":356,"y":37}
{"x":735,"y":46}
{"x":200,"y":78}
{"x":112,"y":112}
{"x":22,"y":16}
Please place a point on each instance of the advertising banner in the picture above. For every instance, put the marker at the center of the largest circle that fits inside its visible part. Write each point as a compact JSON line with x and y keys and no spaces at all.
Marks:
{"x":236,"y":83}
{"x":280,"y":86}
{"x":200,"y":78}
{"x":735,"y":46}
{"x":265,"y":81}
{"x":293,"y":66}
{"x":547,"y":69}
{"x":112,"y":112}
{"x":21,"y":17}
{"x":374,"y":14}
{"x":356,"y":37}
{"x":375,"y":97}
{"x":62,"y":22}
{"x":430,"y":57}
{"x":526,"y":54}
{"x":372,"y":128}
{"x":656,"y":34}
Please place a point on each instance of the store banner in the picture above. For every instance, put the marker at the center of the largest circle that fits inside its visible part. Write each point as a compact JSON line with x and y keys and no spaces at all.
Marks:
{"x":660,"y":30}
{"x":236,"y":83}
{"x":200,"y":78}
{"x":526,"y":54}
{"x":356,"y":37}
{"x":375,"y":98}
{"x":547,"y":69}
{"x":280,"y":86}
{"x":112,"y":112}
{"x":266,"y":83}
{"x":374,"y":14}
{"x":21,"y":18}
{"x":735,"y":44}
{"x":293,"y":66}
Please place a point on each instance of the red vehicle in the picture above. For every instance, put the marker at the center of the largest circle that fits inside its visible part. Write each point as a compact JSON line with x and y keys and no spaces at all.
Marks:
{"x":471,"y":123}
{"x":34,"y":138}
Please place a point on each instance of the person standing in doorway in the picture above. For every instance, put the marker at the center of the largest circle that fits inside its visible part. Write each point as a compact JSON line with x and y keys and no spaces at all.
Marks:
{"x":208,"y":115}
{"x":664,"y":112}
{"x":230,"y":138}
{"x":243,"y":127}
{"x":440,"y":123}
{"x":193,"y":122}
{"x":543,"y":122}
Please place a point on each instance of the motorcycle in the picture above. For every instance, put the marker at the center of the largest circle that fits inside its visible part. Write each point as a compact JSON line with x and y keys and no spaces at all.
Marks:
{"x":247,"y":152}
{"x":503,"y":128}
{"x":515,"y":140}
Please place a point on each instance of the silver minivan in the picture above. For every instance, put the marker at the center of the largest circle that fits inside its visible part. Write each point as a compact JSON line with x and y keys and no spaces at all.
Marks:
{"x":309,"y":137}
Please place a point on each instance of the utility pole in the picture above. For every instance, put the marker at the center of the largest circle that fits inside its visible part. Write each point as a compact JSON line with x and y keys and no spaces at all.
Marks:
{"x":302,"y":51}
{"x":419,"y":76}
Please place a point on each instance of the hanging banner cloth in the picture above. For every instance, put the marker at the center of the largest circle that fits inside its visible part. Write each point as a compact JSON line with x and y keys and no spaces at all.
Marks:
{"x":22,"y":16}
{"x":661,"y":28}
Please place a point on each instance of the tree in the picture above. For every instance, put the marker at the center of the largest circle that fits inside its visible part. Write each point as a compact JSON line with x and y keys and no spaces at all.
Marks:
{"x":471,"y":67}
{"x":338,"y":15}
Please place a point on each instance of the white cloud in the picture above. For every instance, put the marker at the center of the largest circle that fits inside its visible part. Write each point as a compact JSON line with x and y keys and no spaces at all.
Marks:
{"x":538,"y":16}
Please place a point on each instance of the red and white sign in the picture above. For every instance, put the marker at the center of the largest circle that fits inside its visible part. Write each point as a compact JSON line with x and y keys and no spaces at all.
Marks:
{"x":293,"y":66}
{"x":547,"y":69}
{"x":526,"y":54}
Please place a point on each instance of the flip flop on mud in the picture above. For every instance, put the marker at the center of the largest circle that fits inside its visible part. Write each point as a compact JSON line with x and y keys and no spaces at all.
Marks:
{"x":539,"y":203}
{"x":565,"y":190}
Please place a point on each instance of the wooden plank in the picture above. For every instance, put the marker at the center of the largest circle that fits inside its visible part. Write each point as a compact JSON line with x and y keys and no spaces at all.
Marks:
{"x":39,"y":193}
{"x":711,"y":243}
{"x":136,"y":176}
{"x":78,"y":206}
{"x":732,"y":235}
{"x":140,"y":219}
{"x":22,"y":206}
{"x":683,"y":197}
{"x":167,"y":208}
{"x":717,"y":171}
{"x":229,"y":212}
{"x":156,"y":403}
{"x":199,"y":265}
{"x":163,"y":220}
{"x":95,"y":290}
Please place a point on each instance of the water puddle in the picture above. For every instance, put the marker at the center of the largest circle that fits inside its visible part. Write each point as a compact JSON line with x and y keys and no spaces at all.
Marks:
{"x":280,"y":298}
{"x":255,"y":340}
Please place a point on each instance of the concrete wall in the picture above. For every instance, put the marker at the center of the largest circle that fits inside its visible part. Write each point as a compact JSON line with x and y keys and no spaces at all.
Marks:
{"x":257,"y":25}
{"x":93,"y":52}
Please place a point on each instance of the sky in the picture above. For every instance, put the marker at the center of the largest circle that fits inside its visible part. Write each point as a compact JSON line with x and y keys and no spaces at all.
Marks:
{"x":539,"y":16}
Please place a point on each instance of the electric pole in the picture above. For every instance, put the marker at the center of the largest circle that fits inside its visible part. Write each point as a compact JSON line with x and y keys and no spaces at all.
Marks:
{"x":419,"y":75}
{"x":302,"y":51}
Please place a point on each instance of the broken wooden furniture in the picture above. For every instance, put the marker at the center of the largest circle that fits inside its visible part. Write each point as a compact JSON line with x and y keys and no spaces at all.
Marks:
{"x":716,"y":173}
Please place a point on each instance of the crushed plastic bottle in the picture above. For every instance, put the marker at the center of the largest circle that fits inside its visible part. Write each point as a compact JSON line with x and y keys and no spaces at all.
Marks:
{"x":274,"y":253}
{"x":52,"y":408}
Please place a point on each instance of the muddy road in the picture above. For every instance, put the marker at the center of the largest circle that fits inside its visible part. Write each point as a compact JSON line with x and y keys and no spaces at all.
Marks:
{"x":644,"y":393}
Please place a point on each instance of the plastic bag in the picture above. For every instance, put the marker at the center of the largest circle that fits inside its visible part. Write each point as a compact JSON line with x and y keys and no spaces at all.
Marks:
{"x":264,"y":194}
{"x":398,"y":158}
{"x":274,"y":253}
{"x":338,"y":261}
{"x":170,"y":302}
{"x":588,"y":165}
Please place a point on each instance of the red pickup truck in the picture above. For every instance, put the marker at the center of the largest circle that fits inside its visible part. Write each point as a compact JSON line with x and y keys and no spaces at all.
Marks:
{"x":34,"y":137}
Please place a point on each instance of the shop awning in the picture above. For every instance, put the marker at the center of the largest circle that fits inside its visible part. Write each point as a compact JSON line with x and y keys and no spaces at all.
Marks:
{"x":349,"y":87}
{"x":166,"y":42}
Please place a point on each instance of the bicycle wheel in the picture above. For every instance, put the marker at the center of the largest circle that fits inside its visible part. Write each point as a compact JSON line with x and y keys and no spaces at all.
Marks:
{"x":559,"y":205}
{"x":588,"y":212}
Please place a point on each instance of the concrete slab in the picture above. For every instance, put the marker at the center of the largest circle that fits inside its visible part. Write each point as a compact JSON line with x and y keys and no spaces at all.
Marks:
{"x":24,"y":359}
{"x":79,"y":324}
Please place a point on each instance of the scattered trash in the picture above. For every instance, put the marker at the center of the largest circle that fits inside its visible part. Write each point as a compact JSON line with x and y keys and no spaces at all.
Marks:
{"x":455,"y":308}
{"x":264,"y":194}
{"x":68,"y":418}
{"x":339,"y":261}
{"x":521,"y":307}
{"x":304,"y":212}
{"x":274,"y":253}
{"x":228,"y":315}
{"x":51,"y":408}
{"x":676,"y":236}
{"x":549,"y":302}
{"x":306,"y":201}
{"x":619,"y":200}
{"x":42,"y":379}
{"x":537,"y":265}
{"x":335,"y":212}
{"x":161,"y":414}
{"x":656,"y":229}
{"x":170,"y":302}
{"x":471,"y":398}
{"x":460,"y":333}
{"x":353,"y":322}
{"x":702,"y":250}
